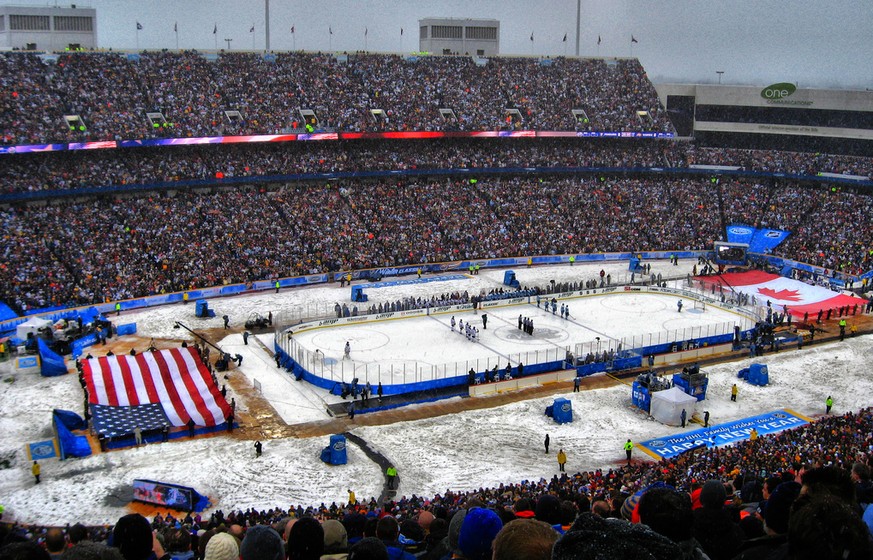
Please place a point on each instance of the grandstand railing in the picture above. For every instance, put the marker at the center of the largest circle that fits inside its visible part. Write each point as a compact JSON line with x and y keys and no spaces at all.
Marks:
{"x":11,"y":198}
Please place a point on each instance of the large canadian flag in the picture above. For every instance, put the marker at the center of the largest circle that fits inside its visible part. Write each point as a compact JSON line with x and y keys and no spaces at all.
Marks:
{"x":780,"y":291}
{"x":175,"y":378}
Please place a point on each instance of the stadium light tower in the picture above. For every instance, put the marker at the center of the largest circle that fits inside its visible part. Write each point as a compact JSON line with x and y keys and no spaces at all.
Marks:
{"x":228,"y":43}
{"x":719,"y":72}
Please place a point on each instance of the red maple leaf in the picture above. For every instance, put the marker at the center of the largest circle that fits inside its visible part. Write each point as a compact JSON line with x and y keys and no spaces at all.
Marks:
{"x":784,"y":295}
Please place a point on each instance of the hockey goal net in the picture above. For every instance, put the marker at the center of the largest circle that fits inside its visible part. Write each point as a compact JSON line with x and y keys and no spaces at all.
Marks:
{"x":699,"y":305}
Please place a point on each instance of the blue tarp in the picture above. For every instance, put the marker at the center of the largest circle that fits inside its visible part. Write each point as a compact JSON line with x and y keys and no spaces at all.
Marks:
{"x":71,"y":445}
{"x":70,"y":419}
{"x":6,"y":312}
{"x":52,"y":363}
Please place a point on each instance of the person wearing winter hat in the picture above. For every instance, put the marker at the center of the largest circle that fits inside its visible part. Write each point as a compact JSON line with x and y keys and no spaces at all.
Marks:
{"x":668,"y":512}
{"x":714,"y":528}
{"x":449,"y":545}
{"x":524,"y":508}
{"x":776,"y":518}
{"x":336,"y":542}
{"x":548,"y":509}
{"x":133,"y":536}
{"x":306,"y":540}
{"x":222,"y":546}
{"x":826,"y":526}
{"x":369,"y":548}
{"x":594,"y":538}
{"x":478,"y":530}
{"x":354,"y":524}
{"x":261,"y":543}
{"x":524,"y":539}
{"x":388,"y":531}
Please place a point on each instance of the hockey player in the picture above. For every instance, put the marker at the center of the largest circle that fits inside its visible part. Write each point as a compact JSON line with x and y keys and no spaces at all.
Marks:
{"x":348,"y":351}
{"x":679,"y":305}
{"x":461,"y":326}
{"x":452,"y":323}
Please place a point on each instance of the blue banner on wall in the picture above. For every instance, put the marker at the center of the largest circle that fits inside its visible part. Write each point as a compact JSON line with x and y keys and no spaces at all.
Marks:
{"x":80,"y":344}
{"x":740,"y":233}
{"x":723,"y":434}
{"x":765,"y":240}
{"x":40,"y":450}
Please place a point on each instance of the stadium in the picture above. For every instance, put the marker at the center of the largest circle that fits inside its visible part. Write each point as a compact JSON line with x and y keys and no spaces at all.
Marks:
{"x":216,"y":263}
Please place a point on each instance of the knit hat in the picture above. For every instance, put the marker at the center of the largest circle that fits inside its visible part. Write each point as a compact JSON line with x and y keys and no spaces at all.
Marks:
{"x":262,"y":543}
{"x":222,"y":546}
{"x":478,"y":530}
{"x":713,"y":495}
{"x":594,"y":538}
{"x":354,"y":524}
{"x":369,"y":548}
{"x":455,"y":528}
{"x":133,"y":537}
{"x":779,"y":506}
{"x":306,"y":539}
{"x":335,"y":537}
{"x":549,"y":509}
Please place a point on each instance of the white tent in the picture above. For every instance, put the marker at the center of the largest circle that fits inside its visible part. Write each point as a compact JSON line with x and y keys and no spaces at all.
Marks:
{"x":32,"y":325}
{"x":667,"y":406}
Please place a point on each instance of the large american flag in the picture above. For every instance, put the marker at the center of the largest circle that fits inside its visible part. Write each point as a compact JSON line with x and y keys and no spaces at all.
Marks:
{"x":176,"y":379}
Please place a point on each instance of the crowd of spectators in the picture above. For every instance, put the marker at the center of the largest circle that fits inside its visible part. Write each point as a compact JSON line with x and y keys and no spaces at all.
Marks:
{"x":79,"y":251}
{"x":107,"y":249}
{"x":58,"y":171}
{"x":112,"y":92}
{"x":802,"y":493}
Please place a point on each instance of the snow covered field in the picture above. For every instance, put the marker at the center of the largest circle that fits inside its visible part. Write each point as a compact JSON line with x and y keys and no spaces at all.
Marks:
{"x":462,"y":451}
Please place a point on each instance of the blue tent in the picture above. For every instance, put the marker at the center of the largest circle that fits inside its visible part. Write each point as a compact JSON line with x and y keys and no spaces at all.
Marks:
{"x":70,"y":444}
{"x":52,"y":363}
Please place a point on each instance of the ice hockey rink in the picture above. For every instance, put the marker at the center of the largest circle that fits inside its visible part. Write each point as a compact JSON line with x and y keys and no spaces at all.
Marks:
{"x":408,"y":350}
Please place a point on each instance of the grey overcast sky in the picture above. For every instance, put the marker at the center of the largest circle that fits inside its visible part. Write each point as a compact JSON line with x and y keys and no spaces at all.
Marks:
{"x":814,"y":43}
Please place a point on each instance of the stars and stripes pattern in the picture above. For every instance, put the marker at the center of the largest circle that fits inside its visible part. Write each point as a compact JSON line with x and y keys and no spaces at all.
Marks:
{"x":176,"y":379}
{"x":120,"y":421}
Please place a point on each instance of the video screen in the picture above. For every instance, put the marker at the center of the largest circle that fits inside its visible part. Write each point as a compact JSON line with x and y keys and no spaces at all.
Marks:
{"x":176,"y":497}
{"x":730,"y":254}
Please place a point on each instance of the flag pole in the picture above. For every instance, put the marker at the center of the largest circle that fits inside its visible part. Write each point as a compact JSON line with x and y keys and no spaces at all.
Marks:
{"x":578,"y":24}
{"x":176,"y":31}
